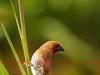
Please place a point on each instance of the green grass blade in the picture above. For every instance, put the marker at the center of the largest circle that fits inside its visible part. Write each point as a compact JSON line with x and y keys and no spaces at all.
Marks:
{"x":14,"y":51}
{"x":3,"y":70}
{"x":23,"y":36}
{"x":16,"y":18}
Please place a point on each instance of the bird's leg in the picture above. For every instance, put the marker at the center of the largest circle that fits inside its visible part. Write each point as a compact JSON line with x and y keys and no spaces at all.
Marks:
{"x":27,"y":64}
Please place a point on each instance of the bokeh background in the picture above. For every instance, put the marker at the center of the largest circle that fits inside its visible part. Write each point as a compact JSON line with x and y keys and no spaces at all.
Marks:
{"x":75,"y":24}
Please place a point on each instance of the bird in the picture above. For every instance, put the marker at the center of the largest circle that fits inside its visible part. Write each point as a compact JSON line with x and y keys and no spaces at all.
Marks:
{"x":41,"y":60}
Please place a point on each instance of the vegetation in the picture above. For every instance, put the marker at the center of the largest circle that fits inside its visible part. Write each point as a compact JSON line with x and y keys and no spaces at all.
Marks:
{"x":28,"y":24}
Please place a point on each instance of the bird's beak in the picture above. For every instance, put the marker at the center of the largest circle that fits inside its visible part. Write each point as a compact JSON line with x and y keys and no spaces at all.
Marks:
{"x":59,"y":48}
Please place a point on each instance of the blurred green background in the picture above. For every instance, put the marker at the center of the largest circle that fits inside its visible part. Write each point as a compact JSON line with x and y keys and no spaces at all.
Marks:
{"x":75,"y":24}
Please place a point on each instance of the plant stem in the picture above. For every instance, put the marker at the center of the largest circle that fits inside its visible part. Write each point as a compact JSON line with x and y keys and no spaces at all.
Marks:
{"x":12,"y":5}
{"x":14,"y":51}
{"x":23,"y":35}
{"x":3,"y":70}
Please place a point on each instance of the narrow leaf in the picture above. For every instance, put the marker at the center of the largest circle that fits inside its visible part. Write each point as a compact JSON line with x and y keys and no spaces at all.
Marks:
{"x":23,"y":36}
{"x":3,"y":70}
{"x":14,"y":51}
{"x":16,"y":18}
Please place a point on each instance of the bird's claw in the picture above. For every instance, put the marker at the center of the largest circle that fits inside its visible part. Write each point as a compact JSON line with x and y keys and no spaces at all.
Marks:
{"x":27,"y":64}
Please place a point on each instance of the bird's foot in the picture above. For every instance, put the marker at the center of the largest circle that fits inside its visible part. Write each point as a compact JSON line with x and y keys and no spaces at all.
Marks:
{"x":27,"y":64}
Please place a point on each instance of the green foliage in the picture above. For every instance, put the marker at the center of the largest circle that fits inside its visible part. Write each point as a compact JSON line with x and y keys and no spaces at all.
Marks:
{"x":14,"y":51}
{"x":73,"y":23}
{"x":22,"y":33}
{"x":3,"y":70}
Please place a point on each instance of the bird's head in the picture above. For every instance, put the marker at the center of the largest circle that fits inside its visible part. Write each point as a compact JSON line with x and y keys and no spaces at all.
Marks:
{"x":53,"y":46}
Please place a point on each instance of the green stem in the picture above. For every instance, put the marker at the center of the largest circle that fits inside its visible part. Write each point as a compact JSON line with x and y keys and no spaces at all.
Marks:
{"x":23,"y":36}
{"x":16,"y":18}
{"x":3,"y":70}
{"x":14,"y":51}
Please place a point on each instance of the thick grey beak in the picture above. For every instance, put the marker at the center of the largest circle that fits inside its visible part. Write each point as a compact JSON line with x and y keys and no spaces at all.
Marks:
{"x":59,"y":48}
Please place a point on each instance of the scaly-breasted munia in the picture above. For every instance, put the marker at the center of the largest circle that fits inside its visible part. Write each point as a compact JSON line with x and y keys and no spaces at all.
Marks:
{"x":42,"y":58}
